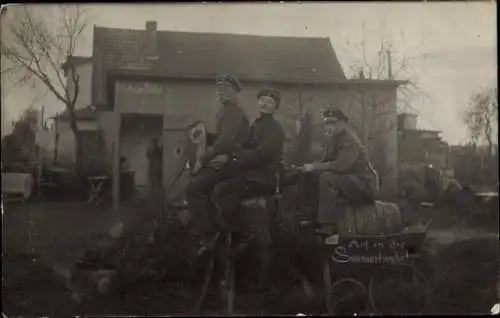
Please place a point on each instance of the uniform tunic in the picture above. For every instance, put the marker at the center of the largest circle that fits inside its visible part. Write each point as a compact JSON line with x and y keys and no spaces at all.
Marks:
{"x":255,"y":169}
{"x":232,"y":130}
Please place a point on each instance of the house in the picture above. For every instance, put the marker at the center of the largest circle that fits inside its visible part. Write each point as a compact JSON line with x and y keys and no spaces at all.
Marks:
{"x":149,"y":83}
{"x":420,"y":146}
{"x":91,"y":136}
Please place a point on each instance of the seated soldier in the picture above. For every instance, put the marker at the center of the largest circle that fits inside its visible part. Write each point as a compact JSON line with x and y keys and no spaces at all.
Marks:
{"x":232,"y":130}
{"x":258,"y":163}
{"x":345,"y":173}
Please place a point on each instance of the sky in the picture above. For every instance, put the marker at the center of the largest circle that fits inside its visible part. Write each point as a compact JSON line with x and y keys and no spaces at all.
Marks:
{"x":450,"y":47}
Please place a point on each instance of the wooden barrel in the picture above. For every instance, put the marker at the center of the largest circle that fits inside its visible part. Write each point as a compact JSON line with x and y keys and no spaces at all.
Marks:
{"x":371,"y":219}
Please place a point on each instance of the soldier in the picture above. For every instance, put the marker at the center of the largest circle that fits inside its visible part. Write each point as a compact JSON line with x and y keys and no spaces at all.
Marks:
{"x":257,"y":164}
{"x":256,"y":168}
{"x":345,"y":173}
{"x":232,"y":129}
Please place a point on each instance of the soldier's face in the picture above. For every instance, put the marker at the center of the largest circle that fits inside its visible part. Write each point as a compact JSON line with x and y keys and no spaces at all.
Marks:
{"x":267,"y":104}
{"x":333,"y":127}
{"x":225,"y":93}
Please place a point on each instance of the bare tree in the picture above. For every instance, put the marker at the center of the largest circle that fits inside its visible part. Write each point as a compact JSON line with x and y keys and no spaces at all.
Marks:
{"x":388,"y":62}
{"x":36,"y":44}
{"x":384,"y":62}
{"x":480,"y":116}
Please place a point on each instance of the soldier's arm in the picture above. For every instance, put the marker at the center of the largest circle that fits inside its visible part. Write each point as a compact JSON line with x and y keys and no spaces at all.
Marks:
{"x":211,"y":138}
{"x":347,"y":155}
{"x":265,"y":149}
{"x":225,"y":141}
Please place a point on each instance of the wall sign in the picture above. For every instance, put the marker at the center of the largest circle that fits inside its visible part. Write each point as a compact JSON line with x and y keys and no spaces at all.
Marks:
{"x":148,"y":88}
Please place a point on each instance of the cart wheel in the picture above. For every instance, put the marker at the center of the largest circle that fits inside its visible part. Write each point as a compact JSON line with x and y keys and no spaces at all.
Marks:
{"x":399,"y":289}
{"x":348,"y":296}
{"x":431,"y":265}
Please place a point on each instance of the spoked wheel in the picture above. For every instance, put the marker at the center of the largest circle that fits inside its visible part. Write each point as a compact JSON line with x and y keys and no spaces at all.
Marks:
{"x":432,"y":266}
{"x":348,"y":296}
{"x":399,"y":289}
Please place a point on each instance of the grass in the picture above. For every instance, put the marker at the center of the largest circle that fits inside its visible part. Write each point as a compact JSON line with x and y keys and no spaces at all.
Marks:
{"x":37,"y":237}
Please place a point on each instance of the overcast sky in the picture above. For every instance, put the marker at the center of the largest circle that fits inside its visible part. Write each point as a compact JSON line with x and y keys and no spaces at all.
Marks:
{"x":452,"y":45}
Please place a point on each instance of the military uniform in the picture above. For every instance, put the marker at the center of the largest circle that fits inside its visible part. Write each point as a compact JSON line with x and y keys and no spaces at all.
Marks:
{"x":256,"y":166}
{"x":232,"y":129}
{"x":345,"y":175}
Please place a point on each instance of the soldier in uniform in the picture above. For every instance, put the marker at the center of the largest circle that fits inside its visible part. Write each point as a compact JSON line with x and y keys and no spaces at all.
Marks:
{"x":345,"y":173}
{"x":256,"y":168}
{"x":257,"y":164}
{"x":232,"y":129}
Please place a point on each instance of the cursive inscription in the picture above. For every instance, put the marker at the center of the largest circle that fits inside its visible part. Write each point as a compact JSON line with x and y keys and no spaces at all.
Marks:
{"x":149,"y":88}
{"x":370,"y":251}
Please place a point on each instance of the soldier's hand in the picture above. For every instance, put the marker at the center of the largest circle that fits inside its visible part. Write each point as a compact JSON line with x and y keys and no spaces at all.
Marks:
{"x":218,"y":161}
{"x":196,"y":167}
{"x":308,"y":167}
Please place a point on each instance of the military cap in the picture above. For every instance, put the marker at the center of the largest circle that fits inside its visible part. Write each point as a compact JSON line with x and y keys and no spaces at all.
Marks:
{"x":227,"y":79}
{"x":271,"y":92}
{"x":334,"y":112}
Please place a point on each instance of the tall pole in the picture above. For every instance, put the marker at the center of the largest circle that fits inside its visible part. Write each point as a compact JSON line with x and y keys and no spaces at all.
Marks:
{"x":389,"y":64}
{"x":116,"y":161}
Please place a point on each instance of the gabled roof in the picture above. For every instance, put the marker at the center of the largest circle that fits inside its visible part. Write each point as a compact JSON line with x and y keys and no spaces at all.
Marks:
{"x":85,"y":113}
{"x":204,"y":55}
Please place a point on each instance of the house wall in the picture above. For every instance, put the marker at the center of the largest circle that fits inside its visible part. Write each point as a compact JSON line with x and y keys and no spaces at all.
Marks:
{"x":85,"y":85}
{"x":66,"y":139}
{"x":370,"y":109}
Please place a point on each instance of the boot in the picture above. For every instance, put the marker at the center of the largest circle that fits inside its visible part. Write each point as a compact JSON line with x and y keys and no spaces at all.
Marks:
{"x":240,"y":243}
{"x":207,"y":243}
{"x":326,"y":230}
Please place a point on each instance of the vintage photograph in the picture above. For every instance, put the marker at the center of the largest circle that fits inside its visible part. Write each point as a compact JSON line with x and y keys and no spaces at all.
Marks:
{"x":333,"y":158}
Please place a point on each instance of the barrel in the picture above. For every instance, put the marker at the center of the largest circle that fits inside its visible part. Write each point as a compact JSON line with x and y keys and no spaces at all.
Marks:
{"x":381,"y":218}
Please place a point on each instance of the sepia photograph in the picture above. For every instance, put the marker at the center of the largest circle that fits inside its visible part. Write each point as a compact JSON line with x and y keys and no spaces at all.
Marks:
{"x":250,"y":159}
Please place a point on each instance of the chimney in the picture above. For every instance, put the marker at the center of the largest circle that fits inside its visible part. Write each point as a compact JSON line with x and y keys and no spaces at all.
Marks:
{"x":151,"y":25}
{"x":151,"y":49}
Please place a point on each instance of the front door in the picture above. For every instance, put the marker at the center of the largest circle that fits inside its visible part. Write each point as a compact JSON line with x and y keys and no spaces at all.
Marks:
{"x":136,"y":134}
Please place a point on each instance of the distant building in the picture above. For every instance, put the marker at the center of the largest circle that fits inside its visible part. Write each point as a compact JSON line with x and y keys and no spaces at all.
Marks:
{"x":420,"y":146}
{"x":472,"y":166}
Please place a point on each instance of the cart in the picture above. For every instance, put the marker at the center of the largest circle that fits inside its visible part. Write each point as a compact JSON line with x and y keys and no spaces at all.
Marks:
{"x":383,"y":274}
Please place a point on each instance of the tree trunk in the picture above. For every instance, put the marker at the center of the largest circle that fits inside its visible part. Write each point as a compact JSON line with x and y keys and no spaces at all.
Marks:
{"x":78,"y":140}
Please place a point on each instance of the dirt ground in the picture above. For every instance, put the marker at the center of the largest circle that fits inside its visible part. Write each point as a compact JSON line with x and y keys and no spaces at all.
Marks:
{"x":38,"y":238}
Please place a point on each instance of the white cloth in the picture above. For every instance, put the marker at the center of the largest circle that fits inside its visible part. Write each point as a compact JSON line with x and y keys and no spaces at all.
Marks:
{"x":18,"y":183}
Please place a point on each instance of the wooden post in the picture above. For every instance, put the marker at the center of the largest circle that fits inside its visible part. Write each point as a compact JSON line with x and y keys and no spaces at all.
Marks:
{"x":116,"y":161}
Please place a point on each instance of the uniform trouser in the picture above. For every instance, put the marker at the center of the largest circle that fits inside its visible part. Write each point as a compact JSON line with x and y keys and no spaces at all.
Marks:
{"x":228,"y":196}
{"x":219,"y":191}
{"x":229,"y":193}
{"x":198,"y":196}
{"x":338,"y":190}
